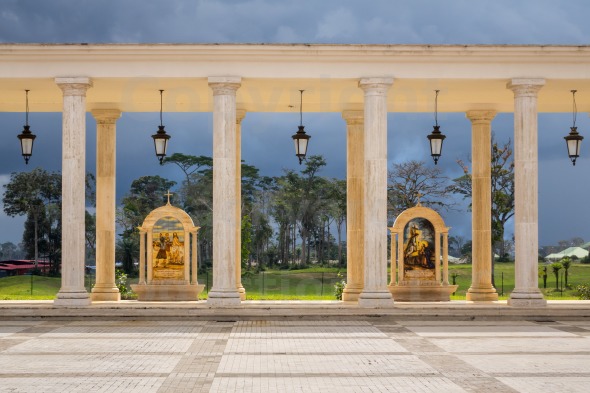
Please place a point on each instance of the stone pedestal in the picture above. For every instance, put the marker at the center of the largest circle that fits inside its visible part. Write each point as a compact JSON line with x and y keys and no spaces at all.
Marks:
{"x":481,"y":282}
{"x":422,"y":293}
{"x":73,"y":249}
{"x":355,"y":122}
{"x":224,"y":290}
{"x":526,"y":223}
{"x":105,"y":288}
{"x":164,"y":292}
{"x":375,"y":292}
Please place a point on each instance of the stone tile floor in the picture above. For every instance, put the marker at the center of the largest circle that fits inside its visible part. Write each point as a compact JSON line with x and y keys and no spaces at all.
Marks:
{"x":360,"y":355}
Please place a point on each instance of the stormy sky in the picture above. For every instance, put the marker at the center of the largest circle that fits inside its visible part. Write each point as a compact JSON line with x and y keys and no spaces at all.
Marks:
{"x":266,"y":142}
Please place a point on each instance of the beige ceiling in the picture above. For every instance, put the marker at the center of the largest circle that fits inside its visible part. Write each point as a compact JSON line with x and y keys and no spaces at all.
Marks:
{"x":128,"y":77}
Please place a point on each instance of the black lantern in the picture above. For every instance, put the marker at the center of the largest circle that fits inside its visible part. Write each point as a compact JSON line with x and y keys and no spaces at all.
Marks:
{"x":26,"y":137}
{"x":160,"y":137}
{"x":573,"y":140}
{"x":300,"y":138}
{"x":436,"y":138}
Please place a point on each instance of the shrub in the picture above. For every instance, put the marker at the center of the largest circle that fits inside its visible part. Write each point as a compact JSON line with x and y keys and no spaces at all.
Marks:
{"x":121,"y":282}
{"x":583,"y":292}
{"x":339,"y":286}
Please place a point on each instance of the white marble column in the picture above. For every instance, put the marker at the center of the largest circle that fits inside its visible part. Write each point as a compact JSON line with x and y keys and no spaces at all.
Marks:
{"x":526,"y":222}
{"x":481,"y":201}
{"x":355,"y":173}
{"x":240,"y":114}
{"x":224,"y":290}
{"x":106,"y":140}
{"x":375,"y":292}
{"x":73,"y":242}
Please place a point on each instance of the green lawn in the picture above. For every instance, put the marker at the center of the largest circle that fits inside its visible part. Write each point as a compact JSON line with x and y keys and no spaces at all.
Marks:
{"x":307,"y":284}
{"x":578,"y":274}
{"x":19,"y":287}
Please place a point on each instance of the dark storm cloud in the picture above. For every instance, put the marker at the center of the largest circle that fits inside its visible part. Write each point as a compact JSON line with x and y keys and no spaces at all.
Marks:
{"x":310,"y":21}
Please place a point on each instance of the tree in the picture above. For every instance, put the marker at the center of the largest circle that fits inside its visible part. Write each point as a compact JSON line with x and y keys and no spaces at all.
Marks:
{"x":414,"y":181}
{"x":566,"y":263}
{"x":33,"y":193}
{"x":456,"y":244}
{"x":9,"y":250}
{"x":146,"y":194}
{"x":338,"y":211}
{"x":556,"y":266}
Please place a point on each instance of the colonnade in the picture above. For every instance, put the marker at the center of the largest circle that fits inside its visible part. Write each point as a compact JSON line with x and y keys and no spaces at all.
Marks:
{"x":366,"y":196}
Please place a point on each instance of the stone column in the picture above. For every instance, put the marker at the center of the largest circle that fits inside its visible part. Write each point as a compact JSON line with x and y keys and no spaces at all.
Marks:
{"x":194,"y":257}
{"x":149,"y":255}
{"x":526,"y":223}
{"x":445,"y":251}
{"x":375,"y":292}
{"x":224,"y":290}
{"x":73,"y":242}
{"x":481,"y":220}
{"x":240,"y":114}
{"x":106,"y":140}
{"x":355,"y":172}
{"x":142,"y":252}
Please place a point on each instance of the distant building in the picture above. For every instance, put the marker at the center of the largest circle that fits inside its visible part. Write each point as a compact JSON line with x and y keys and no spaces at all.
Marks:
{"x":19,"y":267}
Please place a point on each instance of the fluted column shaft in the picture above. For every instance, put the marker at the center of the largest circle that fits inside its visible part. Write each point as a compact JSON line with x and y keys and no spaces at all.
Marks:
{"x":481,"y":201}
{"x":73,"y":248}
{"x":355,"y":172}
{"x":106,"y":140}
{"x":240,"y":114}
{"x":375,"y":292}
{"x":224,"y":290}
{"x":526,"y":223}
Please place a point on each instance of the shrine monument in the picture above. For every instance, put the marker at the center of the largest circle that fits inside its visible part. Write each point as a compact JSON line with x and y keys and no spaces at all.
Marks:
{"x":168,"y":254}
{"x":417,"y":232}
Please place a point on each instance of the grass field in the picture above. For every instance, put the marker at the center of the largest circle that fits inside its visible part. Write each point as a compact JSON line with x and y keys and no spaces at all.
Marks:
{"x":310,"y":284}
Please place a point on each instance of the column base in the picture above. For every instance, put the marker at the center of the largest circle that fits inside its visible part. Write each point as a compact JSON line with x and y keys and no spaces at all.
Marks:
{"x":105,"y":294}
{"x":351,"y":294}
{"x":482,"y":295}
{"x":242,"y":292}
{"x":105,"y":297}
{"x":527,"y":299}
{"x":221,"y":299}
{"x":376,"y":299}
{"x":72,"y":299}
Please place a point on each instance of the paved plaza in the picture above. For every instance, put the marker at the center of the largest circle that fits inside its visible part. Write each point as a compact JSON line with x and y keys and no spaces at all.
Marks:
{"x":317,"y":355}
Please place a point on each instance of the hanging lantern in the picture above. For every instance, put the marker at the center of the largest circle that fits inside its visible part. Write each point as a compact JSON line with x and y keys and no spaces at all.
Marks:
{"x":300,"y":138}
{"x":160,"y":137}
{"x":26,"y":137}
{"x":436,"y":138}
{"x":573,"y":140}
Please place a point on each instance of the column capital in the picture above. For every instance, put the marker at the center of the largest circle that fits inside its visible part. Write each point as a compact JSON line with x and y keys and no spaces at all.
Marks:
{"x":224,"y":85}
{"x":76,"y":86}
{"x":106,"y":116}
{"x":240,"y":114}
{"x":481,"y":116}
{"x":525,"y":87}
{"x":376,"y":85}
{"x":353,"y":117}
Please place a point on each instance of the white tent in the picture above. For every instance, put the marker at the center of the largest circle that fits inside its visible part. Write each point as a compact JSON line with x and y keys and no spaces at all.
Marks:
{"x":578,"y":252}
